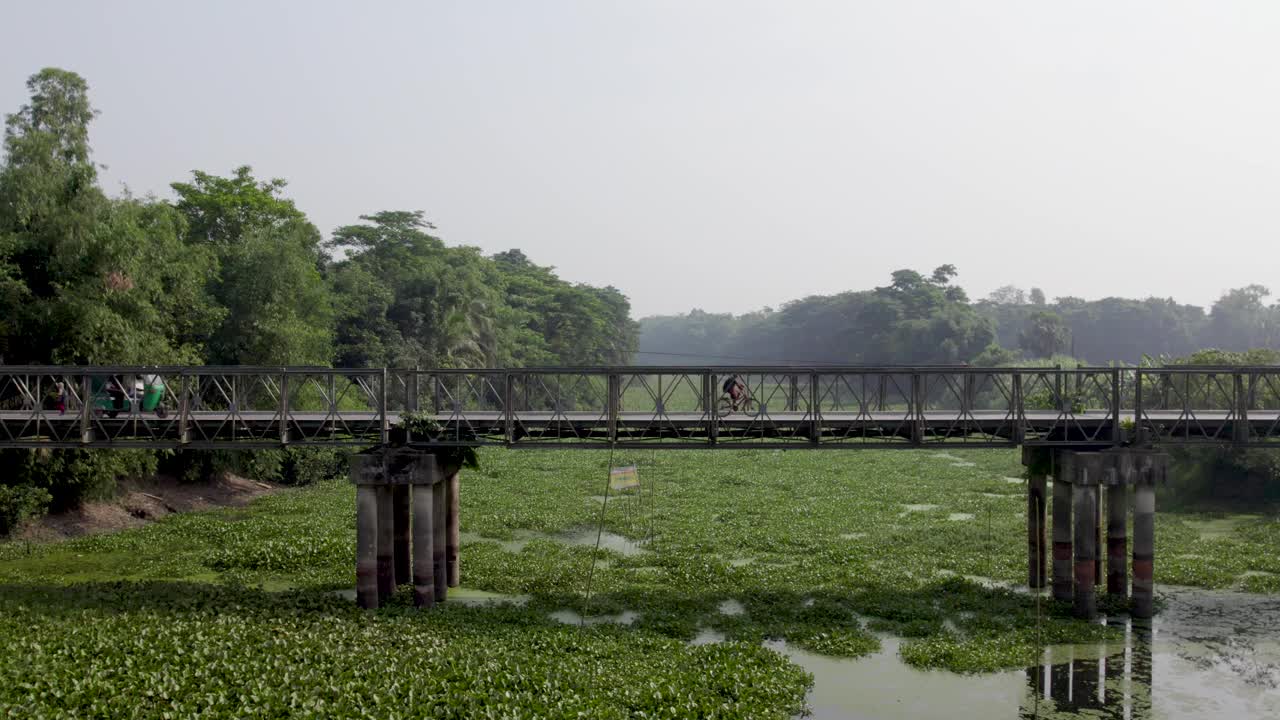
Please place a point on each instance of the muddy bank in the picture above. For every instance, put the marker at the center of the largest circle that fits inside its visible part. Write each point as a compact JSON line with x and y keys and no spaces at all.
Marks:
{"x":140,"y":502}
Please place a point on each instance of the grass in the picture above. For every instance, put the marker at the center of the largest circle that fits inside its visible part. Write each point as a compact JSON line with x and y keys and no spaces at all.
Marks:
{"x":230,"y":613}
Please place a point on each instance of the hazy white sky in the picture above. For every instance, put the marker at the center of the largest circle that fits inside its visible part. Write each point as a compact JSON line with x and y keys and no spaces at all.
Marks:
{"x":1089,"y":148}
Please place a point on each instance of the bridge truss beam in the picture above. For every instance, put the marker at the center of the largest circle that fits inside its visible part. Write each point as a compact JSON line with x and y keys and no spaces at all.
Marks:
{"x":639,"y":407}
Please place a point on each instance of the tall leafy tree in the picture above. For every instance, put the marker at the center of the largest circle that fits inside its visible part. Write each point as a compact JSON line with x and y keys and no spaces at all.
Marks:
{"x":91,"y":279}
{"x":1241,"y":319}
{"x":1044,"y":335}
{"x":85,"y":279}
{"x":436,"y":308}
{"x":268,"y":276}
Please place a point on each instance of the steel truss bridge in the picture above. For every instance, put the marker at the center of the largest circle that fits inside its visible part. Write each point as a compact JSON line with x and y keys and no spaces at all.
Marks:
{"x":641,"y":407}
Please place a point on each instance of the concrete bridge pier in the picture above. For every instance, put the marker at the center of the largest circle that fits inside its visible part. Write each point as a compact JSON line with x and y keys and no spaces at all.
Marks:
{"x":403,"y":515}
{"x":1079,"y":480}
{"x":1151,"y":468}
{"x":439,"y":534}
{"x":1038,"y":465}
{"x":424,"y":579}
{"x":402,"y":512}
{"x":366,"y":540}
{"x":1116,"y":481}
{"x":1063,"y":573}
{"x":453,"y":533}
{"x":386,"y":543}
{"x":1084,"y":500}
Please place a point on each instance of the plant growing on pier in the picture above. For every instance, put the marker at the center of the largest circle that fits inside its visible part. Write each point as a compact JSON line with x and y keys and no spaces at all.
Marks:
{"x":422,"y":426}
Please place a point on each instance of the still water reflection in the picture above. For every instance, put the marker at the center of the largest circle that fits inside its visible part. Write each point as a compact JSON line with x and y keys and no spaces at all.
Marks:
{"x":1207,"y":654}
{"x":1087,"y":680}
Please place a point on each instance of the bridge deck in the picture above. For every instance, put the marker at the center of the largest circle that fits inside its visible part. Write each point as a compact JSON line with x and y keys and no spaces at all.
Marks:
{"x":643,"y":407}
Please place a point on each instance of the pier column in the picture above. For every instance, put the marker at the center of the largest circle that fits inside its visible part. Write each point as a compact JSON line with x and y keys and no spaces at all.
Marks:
{"x":386,"y":542}
{"x":1084,"y":501}
{"x":366,"y":473}
{"x":439,"y":535}
{"x":424,"y":579}
{"x":1038,"y":465}
{"x":453,"y":531}
{"x":1062,"y":479}
{"x":424,"y":547}
{"x":1116,"y":478}
{"x":1035,"y":532}
{"x":1151,"y":468}
{"x":1099,"y":539}
{"x":401,"y":510}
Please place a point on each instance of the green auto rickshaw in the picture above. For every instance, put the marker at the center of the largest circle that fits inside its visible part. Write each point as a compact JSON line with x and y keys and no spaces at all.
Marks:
{"x":117,"y":393}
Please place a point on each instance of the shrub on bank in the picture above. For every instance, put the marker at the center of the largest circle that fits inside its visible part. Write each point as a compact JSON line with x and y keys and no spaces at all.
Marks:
{"x":72,"y":477}
{"x":20,"y":502}
{"x":290,"y":466}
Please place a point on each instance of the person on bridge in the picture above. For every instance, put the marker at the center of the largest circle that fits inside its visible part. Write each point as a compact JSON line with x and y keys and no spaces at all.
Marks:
{"x":734,"y":387}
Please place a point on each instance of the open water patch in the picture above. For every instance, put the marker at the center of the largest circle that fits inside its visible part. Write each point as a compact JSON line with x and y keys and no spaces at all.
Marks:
{"x":881,"y":685}
{"x":959,"y":517}
{"x":1213,"y":528}
{"x":707,"y":636}
{"x":731,"y":607}
{"x":1207,"y":654}
{"x":569,"y":617}
{"x":482,"y":598}
{"x":582,"y":537}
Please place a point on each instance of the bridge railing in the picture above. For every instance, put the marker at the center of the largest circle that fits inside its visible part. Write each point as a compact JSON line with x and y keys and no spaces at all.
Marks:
{"x":191,"y":406}
{"x":1213,"y":405}
{"x":827,"y":407}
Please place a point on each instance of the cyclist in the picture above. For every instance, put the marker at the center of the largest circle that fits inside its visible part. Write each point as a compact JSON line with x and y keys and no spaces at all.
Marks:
{"x":735,"y":388}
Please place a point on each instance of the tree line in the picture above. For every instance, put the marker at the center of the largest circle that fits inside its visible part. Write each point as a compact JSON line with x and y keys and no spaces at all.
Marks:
{"x":918,"y":319}
{"x":232,"y":272}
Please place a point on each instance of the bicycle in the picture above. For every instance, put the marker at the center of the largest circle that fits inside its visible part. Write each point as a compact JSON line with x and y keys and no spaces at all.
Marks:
{"x":744,"y":404}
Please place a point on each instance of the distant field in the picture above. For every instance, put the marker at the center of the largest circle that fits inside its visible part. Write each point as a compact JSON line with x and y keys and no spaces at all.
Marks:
{"x":232,"y":613}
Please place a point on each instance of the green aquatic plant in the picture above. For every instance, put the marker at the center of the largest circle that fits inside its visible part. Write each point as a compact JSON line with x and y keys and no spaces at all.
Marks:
{"x":423,"y":425}
{"x":830,"y":552}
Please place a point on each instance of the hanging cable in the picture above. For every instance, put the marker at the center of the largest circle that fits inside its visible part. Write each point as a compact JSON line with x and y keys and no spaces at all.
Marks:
{"x":604,"y":505}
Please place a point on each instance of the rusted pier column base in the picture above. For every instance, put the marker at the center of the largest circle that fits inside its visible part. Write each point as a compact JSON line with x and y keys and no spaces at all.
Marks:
{"x":366,"y":473}
{"x":1084,"y":500}
{"x":439,"y":534}
{"x":1150,"y":469}
{"x":401,"y":511}
{"x":1063,"y":577}
{"x":1037,"y":463}
{"x":453,"y":531}
{"x":1117,"y":530}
